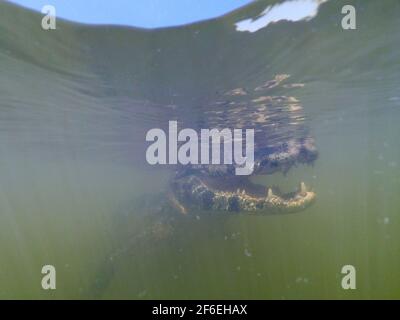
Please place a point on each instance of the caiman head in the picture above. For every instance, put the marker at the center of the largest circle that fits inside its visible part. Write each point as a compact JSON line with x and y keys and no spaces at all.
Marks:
{"x":281,"y":141}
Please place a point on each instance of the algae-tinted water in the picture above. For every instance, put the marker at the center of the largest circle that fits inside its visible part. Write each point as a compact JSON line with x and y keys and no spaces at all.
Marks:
{"x":75,"y":189}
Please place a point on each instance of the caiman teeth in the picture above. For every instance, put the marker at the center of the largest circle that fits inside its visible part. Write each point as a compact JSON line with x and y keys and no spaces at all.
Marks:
{"x":253,"y":200}
{"x":303,"y":189}
{"x":290,"y":202}
{"x":269,"y":193}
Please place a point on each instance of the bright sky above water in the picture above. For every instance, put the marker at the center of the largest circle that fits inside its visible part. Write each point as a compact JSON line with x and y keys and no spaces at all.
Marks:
{"x":293,"y":10}
{"x":139,"y":13}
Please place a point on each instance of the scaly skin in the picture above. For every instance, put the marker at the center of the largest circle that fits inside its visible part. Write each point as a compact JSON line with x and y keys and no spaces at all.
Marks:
{"x":191,"y":192}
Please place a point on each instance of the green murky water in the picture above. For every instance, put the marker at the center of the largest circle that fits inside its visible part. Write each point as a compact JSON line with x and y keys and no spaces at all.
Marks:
{"x":75,"y":105}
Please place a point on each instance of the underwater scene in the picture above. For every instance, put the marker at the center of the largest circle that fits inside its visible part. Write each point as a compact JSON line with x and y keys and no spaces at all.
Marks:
{"x":78,"y":192}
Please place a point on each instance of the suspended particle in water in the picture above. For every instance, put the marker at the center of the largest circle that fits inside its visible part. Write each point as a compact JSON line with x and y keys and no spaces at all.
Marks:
{"x":386,"y":220}
{"x":247,"y":253}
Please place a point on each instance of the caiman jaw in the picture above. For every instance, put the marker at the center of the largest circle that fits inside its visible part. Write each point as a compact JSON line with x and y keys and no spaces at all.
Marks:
{"x":300,"y":200}
{"x":195,"y":192}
